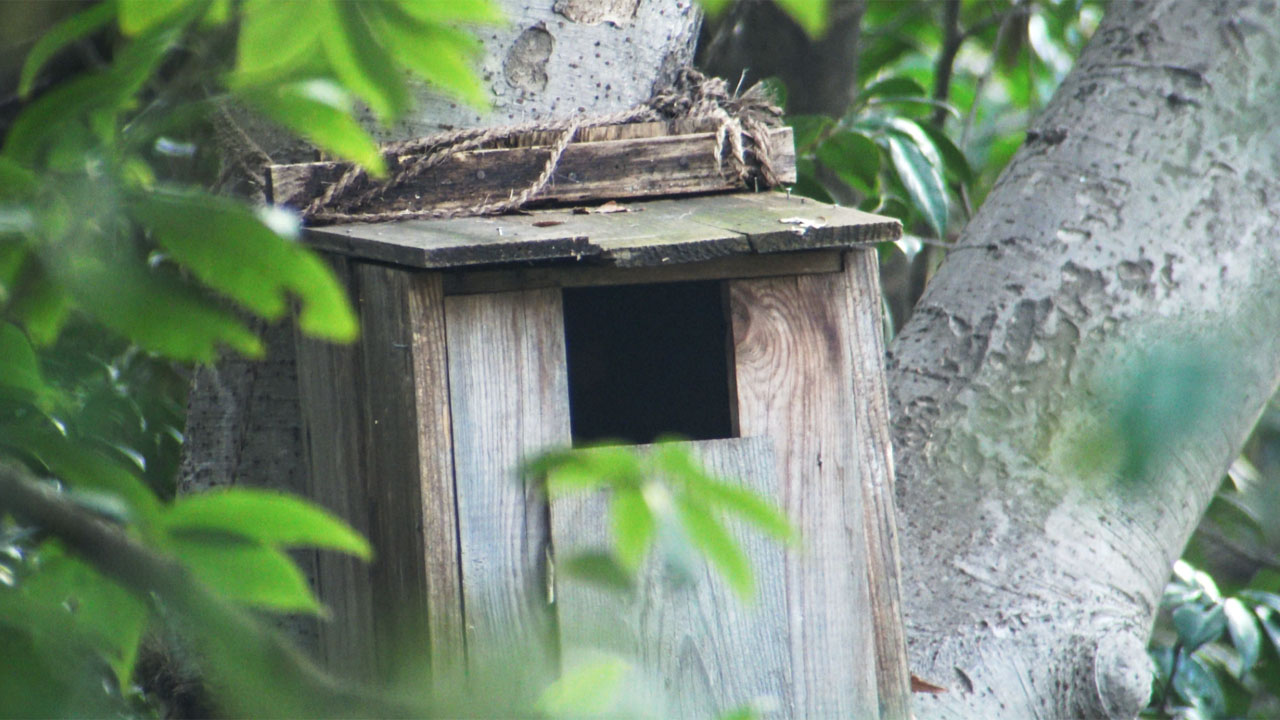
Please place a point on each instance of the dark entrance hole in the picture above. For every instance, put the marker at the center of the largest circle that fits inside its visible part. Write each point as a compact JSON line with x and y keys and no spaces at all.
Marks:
{"x":646,"y":361}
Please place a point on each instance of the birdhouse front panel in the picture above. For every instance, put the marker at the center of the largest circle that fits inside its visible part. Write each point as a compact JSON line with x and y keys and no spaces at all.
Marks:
{"x":747,"y":324}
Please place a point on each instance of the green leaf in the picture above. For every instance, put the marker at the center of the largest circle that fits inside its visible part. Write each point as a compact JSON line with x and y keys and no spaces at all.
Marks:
{"x":61,"y":35}
{"x":808,"y":130}
{"x":633,"y":526}
{"x":477,"y":12}
{"x":1196,"y":684}
{"x":598,"y":568}
{"x":811,"y":15}
{"x":19,"y":367}
{"x":82,"y":467}
{"x":585,"y":689}
{"x":246,"y":572}
{"x":1270,"y":626}
{"x":138,"y":16}
{"x":740,"y":502}
{"x":276,"y":38}
{"x":921,"y":180}
{"x":159,"y":313}
{"x":1197,"y":626}
{"x":573,"y":471}
{"x":1244,"y":633}
{"x":231,"y":250}
{"x":854,"y":157}
{"x":320,"y":111}
{"x":442,"y":56}
{"x":708,"y":535}
{"x":360,"y":61}
{"x":111,"y":618}
{"x":895,"y":86}
{"x":268,"y":517}
{"x":714,"y":8}
{"x":957,"y":165}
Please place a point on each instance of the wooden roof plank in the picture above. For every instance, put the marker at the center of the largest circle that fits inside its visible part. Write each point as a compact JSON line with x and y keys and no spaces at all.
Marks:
{"x":646,"y":234}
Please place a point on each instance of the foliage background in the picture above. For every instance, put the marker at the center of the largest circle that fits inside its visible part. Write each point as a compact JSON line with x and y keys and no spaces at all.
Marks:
{"x":118,"y":270}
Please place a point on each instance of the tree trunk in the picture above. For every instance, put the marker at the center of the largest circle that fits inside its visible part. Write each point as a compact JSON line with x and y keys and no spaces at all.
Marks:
{"x":1143,"y":212}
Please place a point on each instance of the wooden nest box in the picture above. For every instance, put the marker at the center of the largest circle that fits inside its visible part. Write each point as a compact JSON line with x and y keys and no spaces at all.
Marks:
{"x":747,"y":322}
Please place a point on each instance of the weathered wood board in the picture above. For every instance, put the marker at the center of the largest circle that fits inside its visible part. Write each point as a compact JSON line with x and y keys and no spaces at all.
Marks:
{"x":650,"y":233}
{"x":792,"y":352}
{"x":875,"y":466}
{"x":707,"y":650}
{"x":509,"y":398}
{"x":375,"y":418}
{"x":593,"y":168}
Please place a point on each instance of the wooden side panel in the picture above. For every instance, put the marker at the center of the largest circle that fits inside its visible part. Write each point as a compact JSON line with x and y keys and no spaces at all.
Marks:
{"x":407,"y":465}
{"x":792,"y":350}
{"x":375,"y":416}
{"x":509,"y":398}
{"x":332,"y":422}
{"x":871,"y":407}
{"x":710,"y":652}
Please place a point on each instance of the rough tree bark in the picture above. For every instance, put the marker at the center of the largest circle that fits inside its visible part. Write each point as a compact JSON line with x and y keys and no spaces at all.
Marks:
{"x":1143,"y":210}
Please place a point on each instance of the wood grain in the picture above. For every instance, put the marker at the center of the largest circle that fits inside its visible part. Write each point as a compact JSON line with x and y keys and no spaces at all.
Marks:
{"x":792,"y":348}
{"x":709,"y":651}
{"x":509,"y":400}
{"x":871,"y":409}
{"x":597,"y":167}
{"x":375,"y":416}
{"x":652,"y":233}
{"x":332,"y":419}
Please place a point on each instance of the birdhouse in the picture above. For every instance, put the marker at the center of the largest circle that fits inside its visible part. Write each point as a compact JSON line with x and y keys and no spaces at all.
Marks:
{"x":748,"y":323}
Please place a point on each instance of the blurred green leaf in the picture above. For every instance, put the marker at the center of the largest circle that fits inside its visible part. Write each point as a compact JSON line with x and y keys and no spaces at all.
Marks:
{"x":276,"y":38}
{"x":585,"y":689}
{"x":440,"y":55}
{"x":708,"y":535}
{"x":138,"y":16}
{"x":748,"y":506}
{"x":82,"y":467}
{"x":265,"y":516}
{"x":19,"y":367}
{"x":633,"y":526}
{"x":714,"y":8}
{"x":1197,"y":626}
{"x":61,"y":35}
{"x":110,"y":617}
{"x":1196,"y":684}
{"x":320,"y":111}
{"x":811,"y":15}
{"x":360,"y":61}
{"x":893,"y":86}
{"x":475,"y":12}
{"x":1244,"y":632}
{"x":808,"y":130}
{"x":246,"y":572}
{"x":957,"y":165}
{"x":231,"y":250}
{"x":854,"y":157}
{"x":598,"y":568}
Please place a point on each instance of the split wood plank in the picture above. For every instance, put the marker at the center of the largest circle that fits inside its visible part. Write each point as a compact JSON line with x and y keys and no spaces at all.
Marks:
{"x":710,"y":652}
{"x":376,"y":423}
{"x":509,"y":400}
{"x":568,"y":276}
{"x":792,"y":352}
{"x":649,"y":233}
{"x":594,"y":169}
{"x":871,"y":404}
